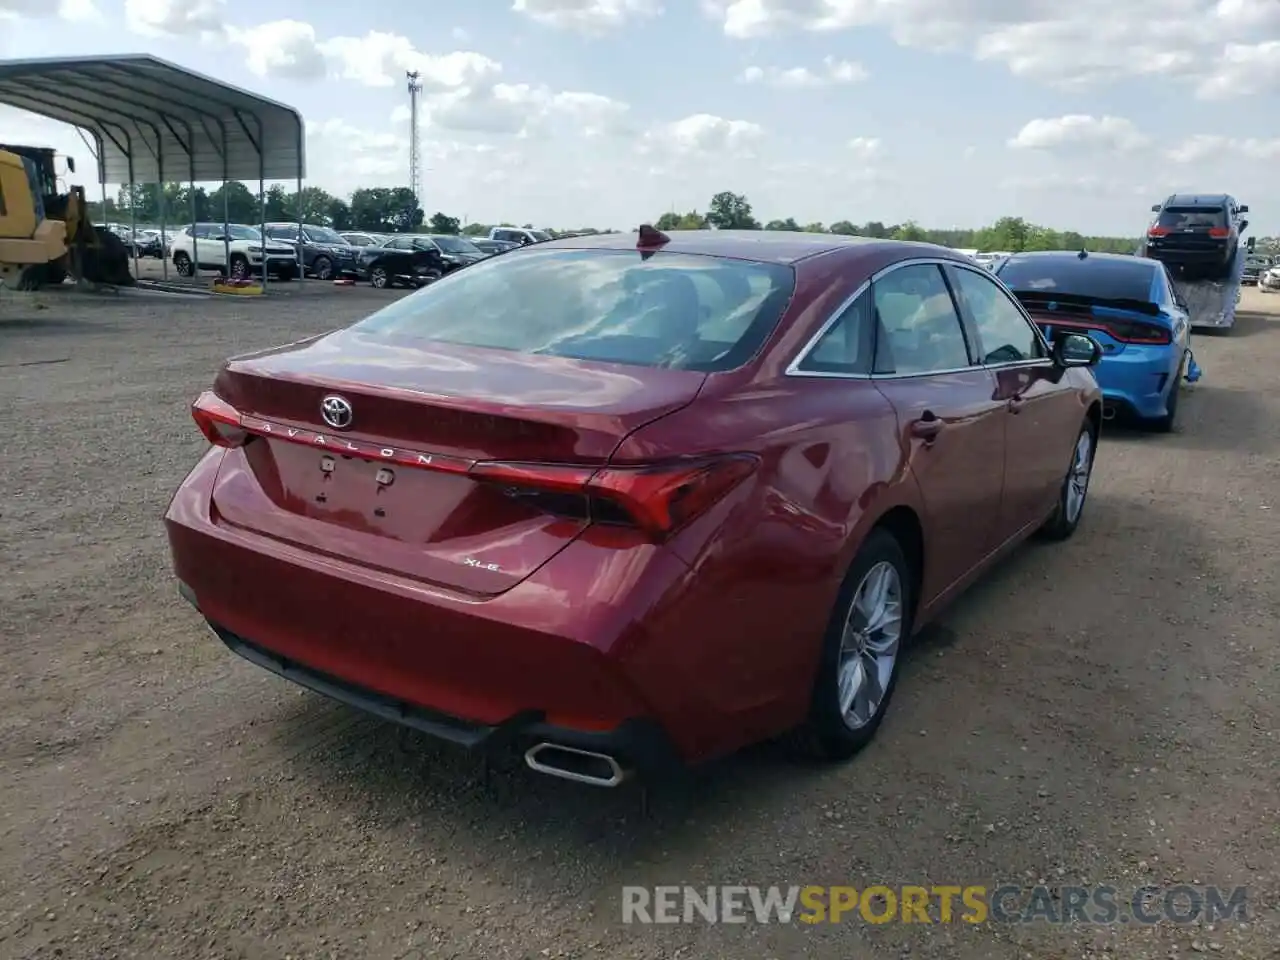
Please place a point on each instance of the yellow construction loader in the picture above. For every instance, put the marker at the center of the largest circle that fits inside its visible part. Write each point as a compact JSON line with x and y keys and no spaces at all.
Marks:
{"x":47,"y":236}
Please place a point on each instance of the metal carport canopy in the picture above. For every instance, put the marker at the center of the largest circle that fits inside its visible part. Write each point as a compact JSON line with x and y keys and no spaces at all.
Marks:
{"x":154,"y":121}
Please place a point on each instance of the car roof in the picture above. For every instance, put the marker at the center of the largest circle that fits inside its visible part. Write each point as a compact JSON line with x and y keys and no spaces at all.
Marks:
{"x":1197,"y":200}
{"x":777,"y":246}
{"x":1139,"y":263}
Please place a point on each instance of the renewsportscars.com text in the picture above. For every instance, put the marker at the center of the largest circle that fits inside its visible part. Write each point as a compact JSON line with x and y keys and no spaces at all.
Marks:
{"x":970,"y":904}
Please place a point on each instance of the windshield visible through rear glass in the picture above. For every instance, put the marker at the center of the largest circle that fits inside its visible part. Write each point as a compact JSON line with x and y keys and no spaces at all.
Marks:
{"x":237,"y":232}
{"x":1119,"y":279}
{"x":454,"y":244}
{"x":678,"y":311}
{"x":1192,"y":218}
{"x":325,"y":235}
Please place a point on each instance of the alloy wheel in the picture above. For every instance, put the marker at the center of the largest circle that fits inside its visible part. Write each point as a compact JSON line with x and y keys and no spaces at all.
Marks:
{"x":1078,"y":478}
{"x":870,"y":644}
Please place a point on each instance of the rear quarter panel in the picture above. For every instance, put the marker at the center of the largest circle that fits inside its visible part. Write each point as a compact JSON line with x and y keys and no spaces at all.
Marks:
{"x":767,"y":562}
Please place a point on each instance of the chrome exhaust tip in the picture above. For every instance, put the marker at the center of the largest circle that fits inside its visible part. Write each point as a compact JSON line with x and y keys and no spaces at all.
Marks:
{"x":1108,"y":412}
{"x":580,"y":766}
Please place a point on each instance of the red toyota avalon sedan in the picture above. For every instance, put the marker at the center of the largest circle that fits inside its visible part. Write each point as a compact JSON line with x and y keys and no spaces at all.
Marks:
{"x":630,"y":502}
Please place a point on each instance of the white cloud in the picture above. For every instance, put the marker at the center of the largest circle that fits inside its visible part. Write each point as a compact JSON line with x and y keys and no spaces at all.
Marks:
{"x":833,"y":72}
{"x":72,"y":11}
{"x":1201,"y":147}
{"x":703,"y":133}
{"x":587,"y":16}
{"x":1221,"y":48}
{"x":1080,"y":132}
{"x":205,"y":19}
{"x":282,"y":48}
{"x":865,"y":148}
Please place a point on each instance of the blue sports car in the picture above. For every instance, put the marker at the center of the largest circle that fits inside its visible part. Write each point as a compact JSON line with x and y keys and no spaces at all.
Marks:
{"x":1129,"y":306}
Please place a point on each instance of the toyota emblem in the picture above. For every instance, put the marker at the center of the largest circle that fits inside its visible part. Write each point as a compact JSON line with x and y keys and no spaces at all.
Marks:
{"x":336,"y":411}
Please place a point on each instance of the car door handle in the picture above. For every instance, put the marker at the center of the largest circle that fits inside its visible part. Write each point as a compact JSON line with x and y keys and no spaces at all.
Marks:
{"x":927,"y":428}
{"x":1016,"y":404}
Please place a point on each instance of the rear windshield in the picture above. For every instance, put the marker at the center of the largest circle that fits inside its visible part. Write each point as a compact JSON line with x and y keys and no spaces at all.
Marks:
{"x":1186,"y":218}
{"x":1120,"y":279}
{"x":454,"y":244}
{"x":678,"y":311}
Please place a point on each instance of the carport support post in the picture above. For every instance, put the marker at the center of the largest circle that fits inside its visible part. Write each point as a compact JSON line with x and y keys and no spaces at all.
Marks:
{"x":133,"y":216}
{"x":301,"y":267}
{"x":195,"y":213}
{"x":164,"y":264}
{"x":226,"y":212}
{"x":262,"y":214}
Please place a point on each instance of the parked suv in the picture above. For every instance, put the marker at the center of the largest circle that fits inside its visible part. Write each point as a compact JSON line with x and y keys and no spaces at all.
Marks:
{"x":518,"y":235}
{"x":325,"y":254}
{"x":231,"y":249}
{"x":1197,"y":232}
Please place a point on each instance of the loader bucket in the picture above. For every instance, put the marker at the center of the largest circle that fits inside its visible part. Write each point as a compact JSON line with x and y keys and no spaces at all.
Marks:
{"x":104,"y":259}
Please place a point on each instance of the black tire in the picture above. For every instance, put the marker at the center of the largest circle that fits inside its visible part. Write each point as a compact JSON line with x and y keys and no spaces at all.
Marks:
{"x":322,"y":267}
{"x":1061,"y":523}
{"x":32,"y":277}
{"x":1165,"y":424}
{"x":827,"y":734}
{"x":239,"y":266}
{"x":182,"y":263}
{"x":379,"y":277}
{"x":55,"y":273}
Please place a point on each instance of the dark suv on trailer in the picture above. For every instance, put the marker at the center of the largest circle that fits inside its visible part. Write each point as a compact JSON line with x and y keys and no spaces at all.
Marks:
{"x":325,"y":254}
{"x":1197,"y":233}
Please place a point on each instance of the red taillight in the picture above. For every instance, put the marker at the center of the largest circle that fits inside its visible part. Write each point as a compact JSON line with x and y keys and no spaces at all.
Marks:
{"x":660,"y":499}
{"x":1158,"y":232}
{"x":218,"y":420}
{"x":1219,"y":233}
{"x":1133,"y":332}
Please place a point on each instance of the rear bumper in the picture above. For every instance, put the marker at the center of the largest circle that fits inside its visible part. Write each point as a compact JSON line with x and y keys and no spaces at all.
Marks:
{"x":551,"y":658}
{"x":1137,"y":381}
{"x":638,"y":745}
{"x":1217,"y":254}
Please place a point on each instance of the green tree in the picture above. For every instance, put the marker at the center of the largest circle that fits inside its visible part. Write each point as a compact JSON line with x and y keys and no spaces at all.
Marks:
{"x":234,"y":201}
{"x":311,"y":206}
{"x":339,"y":214}
{"x":443,"y":223}
{"x":911,"y":231}
{"x":788,"y":224}
{"x":385,"y":209}
{"x":278,"y":205}
{"x":845,"y":228}
{"x":731,"y":211}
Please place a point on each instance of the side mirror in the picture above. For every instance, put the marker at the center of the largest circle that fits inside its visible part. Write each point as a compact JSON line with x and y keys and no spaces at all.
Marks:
{"x":71,"y":168}
{"x":1243,"y":209}
{"x":1155,"y":208}
{"x":1076,"y":350}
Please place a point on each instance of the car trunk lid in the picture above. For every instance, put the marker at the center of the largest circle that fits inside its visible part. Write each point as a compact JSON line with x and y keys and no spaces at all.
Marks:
{"x":393,"y":489}
{"x":1113,"y":323}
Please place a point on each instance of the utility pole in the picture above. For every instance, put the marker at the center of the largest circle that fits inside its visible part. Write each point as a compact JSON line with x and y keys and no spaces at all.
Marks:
{"x":415,"y":146}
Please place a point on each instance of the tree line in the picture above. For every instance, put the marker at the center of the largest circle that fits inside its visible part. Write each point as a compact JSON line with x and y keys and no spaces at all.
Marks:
{"x":393,"y":210}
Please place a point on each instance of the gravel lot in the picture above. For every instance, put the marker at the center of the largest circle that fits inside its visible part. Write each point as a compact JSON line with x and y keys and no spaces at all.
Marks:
{"x":1104,"y":711}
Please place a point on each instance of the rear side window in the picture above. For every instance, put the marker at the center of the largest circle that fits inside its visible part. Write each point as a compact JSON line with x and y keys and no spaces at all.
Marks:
{"x":1124,"y":278}
{"x":678,"y":311}
{"x":1191,"y":218}
{"x":846,"y":345}
{"x":919,"y":330}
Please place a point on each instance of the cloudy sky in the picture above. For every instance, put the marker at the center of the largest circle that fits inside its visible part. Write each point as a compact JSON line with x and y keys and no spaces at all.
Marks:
{"x":1077,"y":115}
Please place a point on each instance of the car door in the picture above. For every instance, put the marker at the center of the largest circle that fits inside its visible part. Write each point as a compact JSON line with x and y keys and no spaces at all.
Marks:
{"x":953,"y":426}
{"x":207,"y":251}
{"x":1042,"y":410}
